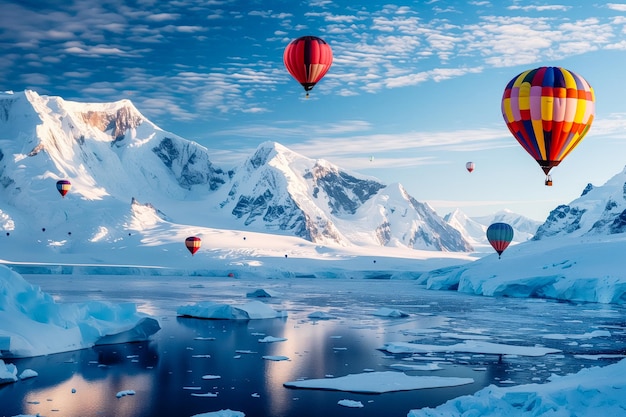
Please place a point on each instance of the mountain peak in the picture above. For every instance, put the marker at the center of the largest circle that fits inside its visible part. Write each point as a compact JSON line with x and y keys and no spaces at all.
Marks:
{"x":111,"y":153}
{"x":599,"y":210}
{"x":265,"y":152}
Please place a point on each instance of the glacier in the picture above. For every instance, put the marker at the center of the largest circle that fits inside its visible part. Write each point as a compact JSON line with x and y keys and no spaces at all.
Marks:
{"x":34,"y":324}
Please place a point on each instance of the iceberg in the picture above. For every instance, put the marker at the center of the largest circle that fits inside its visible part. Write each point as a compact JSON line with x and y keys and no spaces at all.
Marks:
{"x":596,"y":391}
{"x":32,"y":323}
{"x":248,"y":311}
{"x":262,"y":293}
{"x":8,"y":373}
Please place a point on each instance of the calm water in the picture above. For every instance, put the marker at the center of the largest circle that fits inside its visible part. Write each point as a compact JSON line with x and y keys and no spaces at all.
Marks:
{"x":163,"y":370}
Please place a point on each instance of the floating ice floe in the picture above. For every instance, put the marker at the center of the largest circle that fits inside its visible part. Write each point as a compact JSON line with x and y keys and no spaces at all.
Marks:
{"x":248,"y":311}
{"x":600,"y":356}
{"x":390,"y":312}
{"x":584,"y":336}
{"x":410,"y":367}
{"x":464,"y":336}
{"x":272,"y":339}
{"x":221,"y":413}
{"x":261,"y":293}
{"x":350,"y":403}
{"x":275,"y":358}
{"x":28,"y":373}
{"x":8,"y":373}
{"x":206,"y":395}
{"x":469,"y":346}
{"x":33,"y":324}
{"x":320,"y":315}
{"x":125,"y":393}
{"x":379,"y":382}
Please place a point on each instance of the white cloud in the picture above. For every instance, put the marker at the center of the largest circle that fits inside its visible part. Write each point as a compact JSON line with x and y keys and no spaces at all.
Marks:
{"x":161,"y":17}
{"x":35,"y":79}
{"x":544,"y":8}
{"x":374,"y":49}
{"x":618,"y":7}
{"x":269,"y":14}
{"x":184,"y":28}
{"x":77,"y":74}
{"x":94,"y":51}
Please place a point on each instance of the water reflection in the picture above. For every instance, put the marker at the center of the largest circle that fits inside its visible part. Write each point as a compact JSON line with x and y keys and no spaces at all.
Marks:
{"x":81,"y":383}
{"x":166,"y":371}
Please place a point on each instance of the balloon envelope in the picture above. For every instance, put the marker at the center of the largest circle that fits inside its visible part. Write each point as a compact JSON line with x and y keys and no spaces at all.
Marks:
{"x":499,"y":236}
{"x":308,"y":59}
{"x":193,"y":244}
{"x":549,"y":110}
{"x":469,"y":166}
{"x":63,"y":186}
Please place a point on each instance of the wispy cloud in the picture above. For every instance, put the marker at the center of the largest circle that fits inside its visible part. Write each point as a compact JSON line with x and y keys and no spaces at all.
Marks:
{"x":544,"y":8}
{"x":618,"y":7}
{"x":375,"y":48}
{"x":349,"y":143}
{"x":161,"y":17}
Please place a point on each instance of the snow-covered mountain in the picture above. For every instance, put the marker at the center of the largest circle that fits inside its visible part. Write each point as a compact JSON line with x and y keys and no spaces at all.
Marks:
{"x":279,"y":190}
{"x":474,"y":229}
{"x":130,"y":177}
{"x":575,"y":255}
{"x":598,"y":211}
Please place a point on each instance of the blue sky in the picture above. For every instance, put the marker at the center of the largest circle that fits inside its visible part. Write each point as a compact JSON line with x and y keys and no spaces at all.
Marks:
{"x":415,"y":84}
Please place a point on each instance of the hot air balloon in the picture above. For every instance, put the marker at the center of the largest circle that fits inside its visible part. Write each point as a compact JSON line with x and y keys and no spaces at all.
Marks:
{"x":63,"y":186}
{"x":549,"y":110}
{"x":499,"y":236}
{"x":193,"y":244}
{"x":470,"y":166}
{"x":308,"y":59}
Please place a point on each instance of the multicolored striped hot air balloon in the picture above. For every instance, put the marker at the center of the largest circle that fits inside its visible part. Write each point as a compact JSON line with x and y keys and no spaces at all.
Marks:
{"x":499,"y":236}
{"x":63,"y":186}
{"x":549,"y":110}
{"x":308,"y":59}
{"x":193,"y":244}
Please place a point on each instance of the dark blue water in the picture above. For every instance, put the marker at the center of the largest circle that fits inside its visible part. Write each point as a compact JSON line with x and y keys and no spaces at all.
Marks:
{"x":163,"y":370}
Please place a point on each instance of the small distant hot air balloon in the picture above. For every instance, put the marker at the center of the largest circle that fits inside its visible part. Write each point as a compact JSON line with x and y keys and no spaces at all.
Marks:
{"x":63,"y":186}
{"x":499,"y":236}
{"x":308,"y":59}
{"x":549,"y":110}
{"x":193,"y":244}
{"x":470,"y":166}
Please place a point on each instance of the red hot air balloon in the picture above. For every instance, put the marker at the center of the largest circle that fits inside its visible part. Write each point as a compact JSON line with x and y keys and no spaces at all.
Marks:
{"x":499,"y":236}
{"x":470,"y":166}
{"x":308,"y":59}
{"x":63,"y":186}
{"x":549,"y":110}
{"x":193,"y":244}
